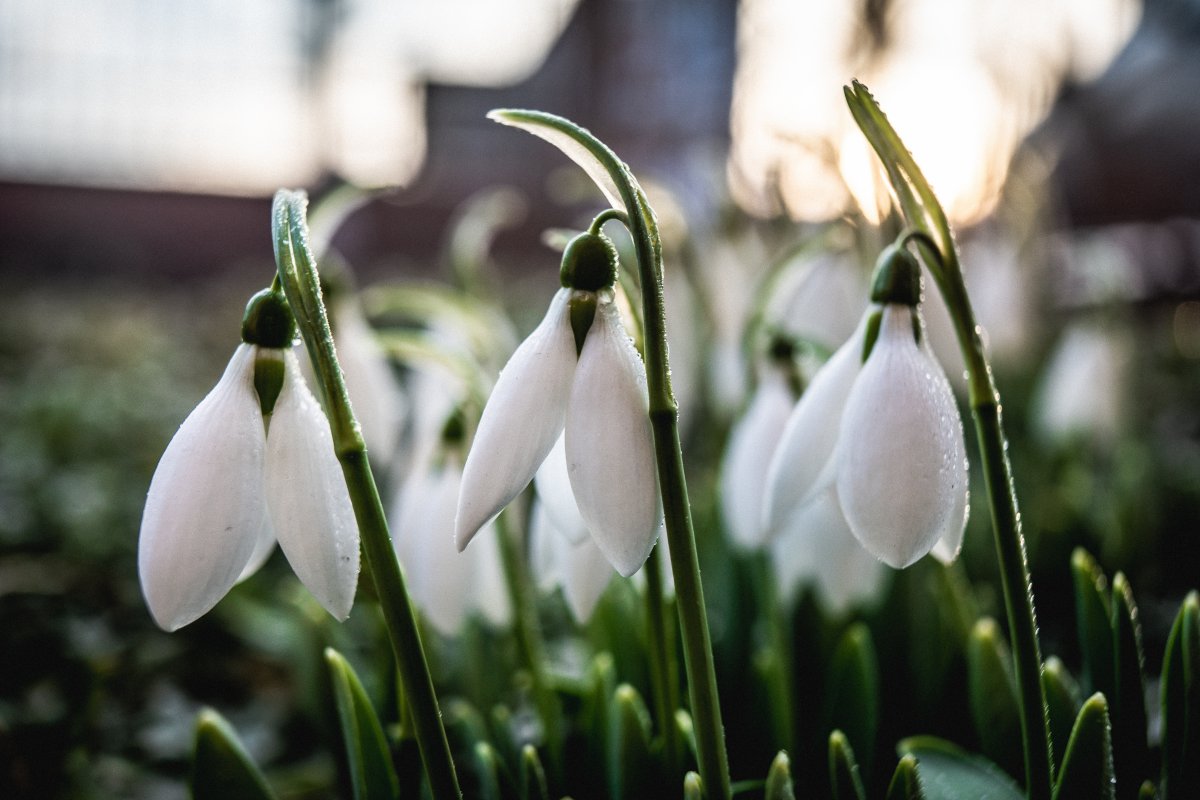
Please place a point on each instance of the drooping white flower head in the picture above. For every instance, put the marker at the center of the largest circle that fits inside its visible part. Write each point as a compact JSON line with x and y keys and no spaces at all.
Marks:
{"x":446,"y":585}
{"x":886,"y":435}
{"x":225,"y":489}
{"x":744,"y":467}
{"x":575,"y":565}
{"x":577,"y":374}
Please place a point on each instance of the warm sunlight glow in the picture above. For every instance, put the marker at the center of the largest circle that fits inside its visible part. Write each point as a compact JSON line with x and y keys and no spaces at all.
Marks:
{"x":961,"y":82}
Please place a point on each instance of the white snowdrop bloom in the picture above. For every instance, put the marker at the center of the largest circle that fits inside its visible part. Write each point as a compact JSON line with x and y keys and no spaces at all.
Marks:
{"x":594,"y":395}
{"x":575,"y":565}
{"x":1082,"y":390}
{"x":817,"y":548}
{"x":444,"y":584}
{"x":886,"y":434}
{"x":234,"y":479}
{"x":747,"y":457}
{"x":379,"y":403}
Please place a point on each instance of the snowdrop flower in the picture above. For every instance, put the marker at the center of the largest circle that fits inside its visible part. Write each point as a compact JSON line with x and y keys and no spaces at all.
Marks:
{"x":254,"y":462}
{"x":747,"y":455}
{"x":878,"y":434}
{"x":1082,"y":388}
{"x":569,"y":561}
{"x":445,"y":584}
{"x":577,"y":374}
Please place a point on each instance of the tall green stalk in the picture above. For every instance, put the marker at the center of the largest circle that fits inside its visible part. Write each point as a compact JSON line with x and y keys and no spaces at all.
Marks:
{"x":936,"y":243}
{"x":298,"y":277}
{"x":622,"y":190}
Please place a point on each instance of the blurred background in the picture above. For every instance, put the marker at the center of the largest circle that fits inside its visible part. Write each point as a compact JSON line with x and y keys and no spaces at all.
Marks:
{"x":141,"y":142}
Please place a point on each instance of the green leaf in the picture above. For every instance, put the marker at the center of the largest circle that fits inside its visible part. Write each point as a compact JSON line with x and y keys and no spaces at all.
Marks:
{"x":1094,"y":622}
{"x":563,"y":134}
{"x":632,"y":767}
{"x":949,"y":773}
{"x":1181,"y":703}
{"x":1062,"y":703}
{"x":221,"y":768}
{"x":993,"y":696}
{"x":906,"y":783}
{"x":533,"y":776}
{"x":779,"y":779}
{"x":1087,"y":767}
{"x":1130,"y":751}
{"x":487,"y":769}
{"x":371,"y":772}
{"x":920,"y":206}
{"x":843,"y":769}
{"x":853,"y":695}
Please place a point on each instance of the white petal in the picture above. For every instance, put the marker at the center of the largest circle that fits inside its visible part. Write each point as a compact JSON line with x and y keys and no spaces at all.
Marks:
{"x":379,"y":405}
{"x":489,"y":590}
{"x":264,"y":545}
{"x":900,"y":475}
{"x":544,"y":541}
{"x":586,"y":574}
{"x":555,"y":496}
{"x":522,"y":419}
{"x":610,"y":445}
{"x":748,"y":455}
{"x":206,"y":505}
{"x":800,"y":467}
{"x":816,"y":547}
{"x":439,"y":576}
{"x":950,"y":542}
{"x":307,"y":497}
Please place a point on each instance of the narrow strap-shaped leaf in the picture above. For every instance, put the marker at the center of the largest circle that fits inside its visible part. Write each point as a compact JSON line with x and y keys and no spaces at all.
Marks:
{"x":487,"y":769}
{"x":1130,"y":750}
{"x":533,"y":775}
{"x":993,"y":696}
{"x":632,"y":767}
{"x":371,"y":772}
{"x":1093,"y":615}
{"x":1181,"y":704}
{"x":854,"y":693}
{"x":1087,"y":767}
{"x":221,"y":768}
{"x":1062,"y":702}
{"x":906,"y":783}
{"x":843,"y":769}
{"x":948,"y":772}
{"x":779,"y":779}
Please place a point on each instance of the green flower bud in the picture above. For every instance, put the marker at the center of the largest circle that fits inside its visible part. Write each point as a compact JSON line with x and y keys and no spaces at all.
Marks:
{"x":897,"y":277}
{"x":589,"y":263}
{"x":268,"y":322}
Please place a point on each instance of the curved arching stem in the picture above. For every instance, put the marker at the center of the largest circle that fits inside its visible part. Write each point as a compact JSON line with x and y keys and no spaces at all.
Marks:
{"x":621,"y":188}
{"x":930,"y":229}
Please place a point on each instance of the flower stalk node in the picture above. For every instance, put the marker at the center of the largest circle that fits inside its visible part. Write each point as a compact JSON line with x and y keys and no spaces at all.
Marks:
{"x":897,"y":277}
{"x":589,"y":263}
{"x":268,"y":321}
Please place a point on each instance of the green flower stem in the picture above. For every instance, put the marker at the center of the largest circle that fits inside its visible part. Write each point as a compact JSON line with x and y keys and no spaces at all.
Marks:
{"x":623,"y":191}
{"x":528,"y":632}
{"x":664,"y":667}
{"x":298,"y":276}
{"x":931,"y":230}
